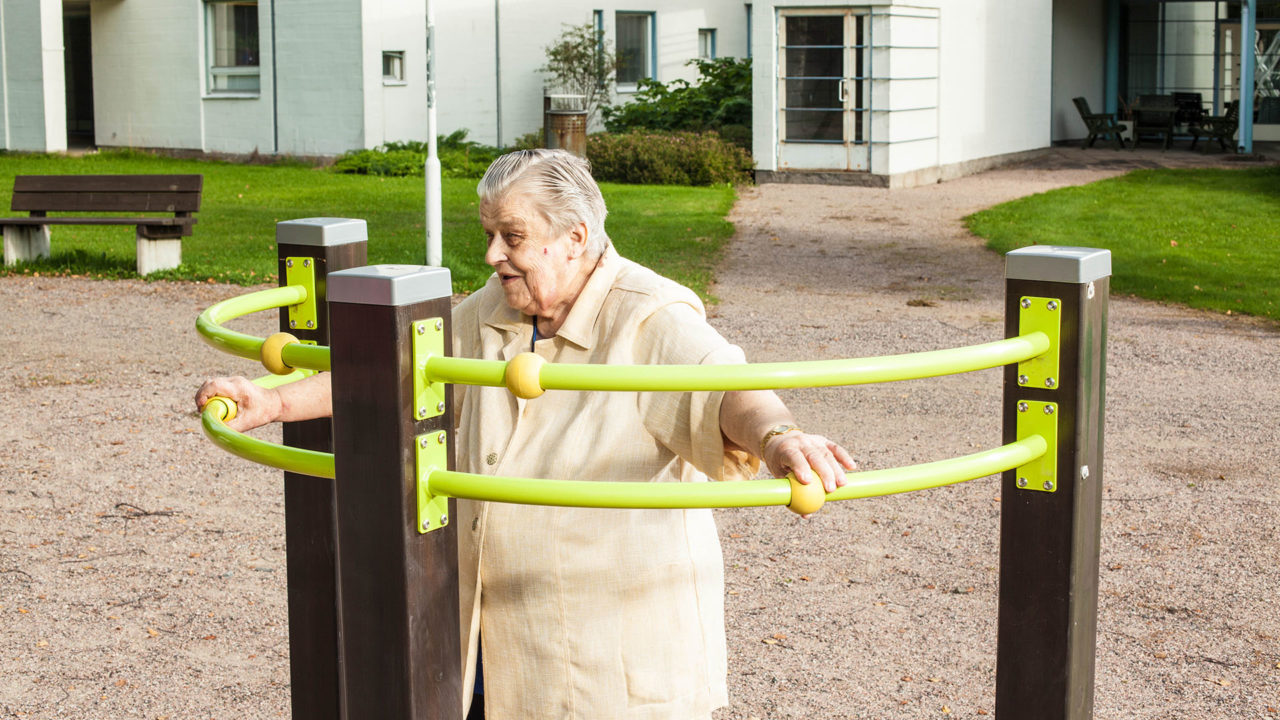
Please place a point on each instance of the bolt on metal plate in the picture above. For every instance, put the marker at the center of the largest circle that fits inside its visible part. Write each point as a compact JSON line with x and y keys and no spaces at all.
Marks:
{"x":1040,"y":474}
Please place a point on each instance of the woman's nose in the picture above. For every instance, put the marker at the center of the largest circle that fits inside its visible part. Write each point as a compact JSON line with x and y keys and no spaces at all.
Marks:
{"x":496,"y":252}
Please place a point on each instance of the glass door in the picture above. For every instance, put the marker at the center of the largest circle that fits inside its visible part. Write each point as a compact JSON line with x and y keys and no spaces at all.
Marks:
{"x":824,"y":90}
{"x":1266,"y":74}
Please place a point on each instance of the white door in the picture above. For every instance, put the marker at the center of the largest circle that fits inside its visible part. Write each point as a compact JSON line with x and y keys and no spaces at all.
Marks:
{"x":824,"y":89}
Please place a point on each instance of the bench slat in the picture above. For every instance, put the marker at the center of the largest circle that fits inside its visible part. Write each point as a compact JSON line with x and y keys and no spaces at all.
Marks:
{"x":97,"y":221}
{"x":98,"y":201}
{"x":108,"y":183}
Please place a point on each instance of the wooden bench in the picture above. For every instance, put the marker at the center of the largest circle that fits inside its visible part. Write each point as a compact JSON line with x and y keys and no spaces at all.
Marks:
{"x":159,"y":238}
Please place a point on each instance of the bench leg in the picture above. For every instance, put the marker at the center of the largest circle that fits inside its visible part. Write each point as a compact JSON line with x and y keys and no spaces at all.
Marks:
{"x":156,"y":255}
{"x":25,"y":242}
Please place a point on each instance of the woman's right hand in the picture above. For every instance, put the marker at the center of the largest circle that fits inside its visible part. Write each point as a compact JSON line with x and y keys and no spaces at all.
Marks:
{"x":255,"y":405}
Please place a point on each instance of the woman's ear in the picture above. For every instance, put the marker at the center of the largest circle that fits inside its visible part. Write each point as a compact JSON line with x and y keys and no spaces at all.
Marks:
{"x":578,"y":235}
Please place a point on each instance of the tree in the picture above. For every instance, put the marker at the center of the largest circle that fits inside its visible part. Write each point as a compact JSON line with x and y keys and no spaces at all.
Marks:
{"x":582,"y":62}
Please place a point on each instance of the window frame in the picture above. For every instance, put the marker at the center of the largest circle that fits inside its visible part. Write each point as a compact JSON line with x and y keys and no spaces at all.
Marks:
{"x":710,"y":34}
{"x":650,"y":69}
{"x":214,"y":72}
{"x":394,"y":79}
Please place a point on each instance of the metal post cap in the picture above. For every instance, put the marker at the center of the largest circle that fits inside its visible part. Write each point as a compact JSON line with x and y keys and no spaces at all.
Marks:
{"x":1057,"y":263}
{"x":321,"y":231}
{"x":393,"y":285}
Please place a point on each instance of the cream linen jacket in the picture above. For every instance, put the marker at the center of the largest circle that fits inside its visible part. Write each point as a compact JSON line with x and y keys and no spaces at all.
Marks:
{"x":594,"y":614}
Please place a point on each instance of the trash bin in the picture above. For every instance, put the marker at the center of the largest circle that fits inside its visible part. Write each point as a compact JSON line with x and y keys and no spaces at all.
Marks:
{"x":565,"y":122}
{"x":567,"y":129}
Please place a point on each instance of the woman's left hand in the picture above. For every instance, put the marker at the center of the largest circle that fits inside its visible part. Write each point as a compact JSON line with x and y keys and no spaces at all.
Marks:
{"x":810,"y":457}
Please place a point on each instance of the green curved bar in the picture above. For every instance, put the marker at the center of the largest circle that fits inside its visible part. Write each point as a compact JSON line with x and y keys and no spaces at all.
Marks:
{"x":209,"y":325}
{"x":586,"y":493}
{"x":759,"y":376}
{"x":874,"y":483}
{"x":281,"y":457}
{"x":749,"y":493}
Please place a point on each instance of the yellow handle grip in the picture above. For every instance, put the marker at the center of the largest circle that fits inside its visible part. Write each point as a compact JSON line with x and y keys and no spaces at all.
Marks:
{"x":222,"y":406}
{"x":806,"y":499}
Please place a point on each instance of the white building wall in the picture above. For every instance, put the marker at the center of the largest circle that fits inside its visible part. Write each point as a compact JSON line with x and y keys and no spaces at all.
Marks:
{"x":52,"y":57}
{"x":466,"y":95}
{"x":1079,"y":68}
{"x":320,"y":75}
{"x":394,"y":110}
{"x":33,"y":112}
{"x":146,"y":82}
{"x":992,"y":94}
{"x":467,"y":86}
{"x":240,"y":123}
{"x":996,"y":78}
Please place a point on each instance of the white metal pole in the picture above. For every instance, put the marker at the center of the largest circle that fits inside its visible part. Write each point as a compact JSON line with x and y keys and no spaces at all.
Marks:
{"x":431,"y":171}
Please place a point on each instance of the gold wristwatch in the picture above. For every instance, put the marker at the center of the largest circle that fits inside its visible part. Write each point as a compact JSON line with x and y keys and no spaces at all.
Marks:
{"x":776,"y":430}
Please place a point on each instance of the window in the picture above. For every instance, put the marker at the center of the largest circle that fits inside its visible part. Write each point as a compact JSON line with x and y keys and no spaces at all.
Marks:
{"x":232,"y":37}
{"x":707,"y":44}
{"x":635,"y":46}
{"x":393,"y":66}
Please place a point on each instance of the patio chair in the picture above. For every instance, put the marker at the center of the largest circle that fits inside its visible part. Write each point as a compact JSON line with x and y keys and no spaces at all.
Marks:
{"x":1221,"y":128}
{"x":1190,"y":108}
{"x":1153,"y":115}
{"x":1098,"y":125}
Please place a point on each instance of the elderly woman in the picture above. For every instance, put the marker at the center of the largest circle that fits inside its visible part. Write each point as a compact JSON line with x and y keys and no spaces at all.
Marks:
{"x":588,"y":613}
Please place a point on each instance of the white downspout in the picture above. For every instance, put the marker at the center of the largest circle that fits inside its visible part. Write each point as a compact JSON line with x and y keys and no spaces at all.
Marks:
{"x":431,"y":171}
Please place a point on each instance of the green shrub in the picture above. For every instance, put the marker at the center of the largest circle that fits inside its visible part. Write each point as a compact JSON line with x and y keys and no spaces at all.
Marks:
{"x":720,"y":100}
{"x":667,"y":158}
{"x":458,"y":156}
{"x":528,"y":141}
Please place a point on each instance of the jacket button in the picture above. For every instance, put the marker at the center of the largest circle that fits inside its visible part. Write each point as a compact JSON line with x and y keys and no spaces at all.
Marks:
{"x":491,"y":458}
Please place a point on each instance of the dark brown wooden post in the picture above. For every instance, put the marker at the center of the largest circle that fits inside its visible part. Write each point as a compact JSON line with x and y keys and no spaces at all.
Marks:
{"x":312,"y":248}
{"x":1051,"y":509}
{"x":398,"y":587}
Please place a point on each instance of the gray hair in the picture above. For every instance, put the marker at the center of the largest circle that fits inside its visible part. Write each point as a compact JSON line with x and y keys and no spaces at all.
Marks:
{"x":560,"y":185}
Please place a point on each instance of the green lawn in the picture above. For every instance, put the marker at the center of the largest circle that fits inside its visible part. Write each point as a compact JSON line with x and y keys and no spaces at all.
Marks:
{"x":1205,"y":238}
{"x":677,"y":230}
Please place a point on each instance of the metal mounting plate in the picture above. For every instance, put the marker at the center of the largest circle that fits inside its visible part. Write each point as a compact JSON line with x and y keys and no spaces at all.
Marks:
{"x":1044,"y":315}
{"x":1039,"y":418}
{"x":302,"y":271}
{"x":428,"y":340}
{"x":432,"y":453}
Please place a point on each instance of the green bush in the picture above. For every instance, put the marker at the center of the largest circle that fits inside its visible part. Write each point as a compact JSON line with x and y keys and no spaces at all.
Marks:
{"x":459,"y":157}
{"x":667,"y":158}
{"x":720,"y":100}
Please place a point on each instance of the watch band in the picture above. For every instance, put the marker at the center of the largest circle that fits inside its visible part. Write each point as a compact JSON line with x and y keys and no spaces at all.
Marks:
{"x":776,"y":430}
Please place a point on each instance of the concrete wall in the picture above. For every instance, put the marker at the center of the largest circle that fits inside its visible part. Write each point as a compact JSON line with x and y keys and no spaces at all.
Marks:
{"x":33,"y":111}
{"x":320,"y":75}
{"x":237,"y":122}
{"x":468,"y":95}
{"x":394,"y":110}
{"x":996,"y":78}
{"x":1079,"y":68}
{"x":151,"y":88}
{"x":146,"y":84}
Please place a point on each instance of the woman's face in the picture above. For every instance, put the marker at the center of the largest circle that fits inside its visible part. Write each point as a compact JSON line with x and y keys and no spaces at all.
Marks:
{"x":537,"y":266}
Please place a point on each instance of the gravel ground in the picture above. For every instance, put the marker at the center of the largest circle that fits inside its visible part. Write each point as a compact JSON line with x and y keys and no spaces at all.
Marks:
{"x":142,"y":571}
